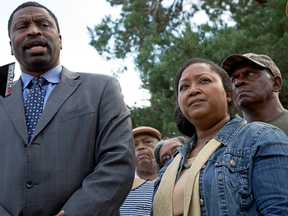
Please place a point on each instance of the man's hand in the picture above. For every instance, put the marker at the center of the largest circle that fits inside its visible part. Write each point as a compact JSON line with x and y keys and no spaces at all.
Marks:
{"x":61,"y":213}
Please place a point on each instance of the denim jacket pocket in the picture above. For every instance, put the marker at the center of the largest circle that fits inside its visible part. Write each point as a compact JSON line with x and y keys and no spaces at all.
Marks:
{"x":234,"y":167}
{"x":232,"y":170}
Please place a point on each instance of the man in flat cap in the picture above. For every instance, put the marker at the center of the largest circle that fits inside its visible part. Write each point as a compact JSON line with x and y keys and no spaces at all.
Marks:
{"x":139,"y":200}
{"x":257,"y":81}
{"x":145,"y":139}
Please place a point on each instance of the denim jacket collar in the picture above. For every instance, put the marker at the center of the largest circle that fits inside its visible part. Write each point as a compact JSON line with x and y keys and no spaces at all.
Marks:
{"x":225,"y":135}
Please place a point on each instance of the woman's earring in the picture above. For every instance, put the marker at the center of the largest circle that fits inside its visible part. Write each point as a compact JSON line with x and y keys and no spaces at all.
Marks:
{"x":229,"y":100}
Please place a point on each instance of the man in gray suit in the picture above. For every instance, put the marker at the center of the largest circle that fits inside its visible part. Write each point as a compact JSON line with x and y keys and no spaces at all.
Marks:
{"x":80,"y":157}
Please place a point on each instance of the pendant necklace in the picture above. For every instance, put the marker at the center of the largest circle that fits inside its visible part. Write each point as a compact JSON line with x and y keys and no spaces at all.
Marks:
{"x":187,"y":156}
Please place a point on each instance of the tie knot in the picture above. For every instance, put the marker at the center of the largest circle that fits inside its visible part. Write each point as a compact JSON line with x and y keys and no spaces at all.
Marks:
{"x":38,"y":81}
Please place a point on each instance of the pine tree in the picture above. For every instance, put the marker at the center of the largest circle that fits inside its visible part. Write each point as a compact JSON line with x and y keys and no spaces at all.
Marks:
{"x":162,"y":37}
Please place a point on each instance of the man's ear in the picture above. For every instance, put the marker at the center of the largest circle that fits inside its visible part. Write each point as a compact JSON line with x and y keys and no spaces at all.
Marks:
{"x":277,"y":83}
{"x":11,"y":48}
{"x":229,"y":96}
{"x":60,"y":40}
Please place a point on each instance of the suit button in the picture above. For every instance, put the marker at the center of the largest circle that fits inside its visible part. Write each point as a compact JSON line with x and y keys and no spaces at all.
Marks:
{"x":25,"y":147}
{"x":29,"y":184}
{"x":201,"y":202}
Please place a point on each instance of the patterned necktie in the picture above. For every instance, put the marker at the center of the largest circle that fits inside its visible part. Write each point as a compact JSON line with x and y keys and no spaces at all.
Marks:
{"x":34,"y":104}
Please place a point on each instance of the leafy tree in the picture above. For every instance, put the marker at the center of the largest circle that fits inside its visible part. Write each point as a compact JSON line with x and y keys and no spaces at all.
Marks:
{"x":162,"y":37}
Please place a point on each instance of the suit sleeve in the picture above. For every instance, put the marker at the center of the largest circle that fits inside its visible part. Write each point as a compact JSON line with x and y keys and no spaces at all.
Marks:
{"x":105,"y":189}
{"x":3,"y":211}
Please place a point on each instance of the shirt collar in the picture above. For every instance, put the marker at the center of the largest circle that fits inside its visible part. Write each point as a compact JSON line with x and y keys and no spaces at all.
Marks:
{"x":52,"y":76}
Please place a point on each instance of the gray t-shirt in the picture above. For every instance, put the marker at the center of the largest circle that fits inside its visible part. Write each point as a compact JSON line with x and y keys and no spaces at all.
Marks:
{"x":280,"y":121}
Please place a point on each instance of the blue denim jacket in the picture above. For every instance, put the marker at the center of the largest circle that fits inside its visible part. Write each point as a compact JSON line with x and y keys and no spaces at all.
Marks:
{"x":247,"y":175}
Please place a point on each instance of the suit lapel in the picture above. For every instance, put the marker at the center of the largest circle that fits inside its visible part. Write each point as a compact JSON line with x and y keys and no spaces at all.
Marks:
{"x":68,"y":84}
{"x":14,"y":107}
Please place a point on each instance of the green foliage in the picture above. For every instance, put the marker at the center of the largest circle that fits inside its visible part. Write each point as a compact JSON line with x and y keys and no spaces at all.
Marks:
{"x":161,"y":38}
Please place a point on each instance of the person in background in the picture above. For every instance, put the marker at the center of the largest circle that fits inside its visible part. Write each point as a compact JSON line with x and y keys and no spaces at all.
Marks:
{"x":145,"y":139}
{"x":227,"y":167}
{"x":166,"y":149}
{"x":257,"y":82}
{"x":139,"y":199}
{"x":66,"y":137}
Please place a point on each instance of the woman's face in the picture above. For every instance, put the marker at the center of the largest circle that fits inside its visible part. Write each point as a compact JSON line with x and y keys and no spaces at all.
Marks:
{"x":201,"y":95}
{"x":168,"y":149}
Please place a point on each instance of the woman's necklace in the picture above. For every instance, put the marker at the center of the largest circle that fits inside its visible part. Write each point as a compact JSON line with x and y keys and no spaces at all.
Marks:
{"x":187,"y":156}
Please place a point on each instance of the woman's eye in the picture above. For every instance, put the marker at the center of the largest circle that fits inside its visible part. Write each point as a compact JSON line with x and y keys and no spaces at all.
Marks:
{"x":203,"y":80}
{"x":183,"y":87}
{"x":165,"y":159}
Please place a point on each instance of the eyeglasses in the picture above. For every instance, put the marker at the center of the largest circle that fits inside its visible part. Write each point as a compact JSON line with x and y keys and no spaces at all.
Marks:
{"x":168,"y":157}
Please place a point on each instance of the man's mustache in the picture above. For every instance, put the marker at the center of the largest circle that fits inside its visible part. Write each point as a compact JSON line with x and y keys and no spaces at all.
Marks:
{"x":142,"y":152}
{"x":36,"y":39}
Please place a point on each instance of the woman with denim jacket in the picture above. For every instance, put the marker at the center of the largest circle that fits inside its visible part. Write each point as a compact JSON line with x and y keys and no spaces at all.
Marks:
{"x":228,"y":167}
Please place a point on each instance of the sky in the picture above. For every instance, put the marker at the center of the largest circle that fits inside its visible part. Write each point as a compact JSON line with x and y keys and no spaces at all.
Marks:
{"x":77,"y":55}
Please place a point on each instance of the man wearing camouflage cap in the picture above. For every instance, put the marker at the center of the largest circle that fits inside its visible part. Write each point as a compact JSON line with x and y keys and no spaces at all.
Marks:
{"x":257,"y":81}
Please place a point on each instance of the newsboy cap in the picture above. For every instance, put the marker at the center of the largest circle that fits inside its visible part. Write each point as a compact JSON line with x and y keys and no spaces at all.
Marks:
{"x":147,"y":129}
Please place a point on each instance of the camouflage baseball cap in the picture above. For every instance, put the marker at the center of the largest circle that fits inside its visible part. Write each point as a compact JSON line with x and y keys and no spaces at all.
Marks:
{"x":262,"y":60}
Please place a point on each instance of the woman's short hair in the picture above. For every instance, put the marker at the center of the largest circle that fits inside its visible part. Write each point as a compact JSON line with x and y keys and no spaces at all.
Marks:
{"x":185,"y":126}
{"x":159,"y":145}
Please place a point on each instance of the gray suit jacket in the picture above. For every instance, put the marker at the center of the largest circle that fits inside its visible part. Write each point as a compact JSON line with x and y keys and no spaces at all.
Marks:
{"x":81,"y":156}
